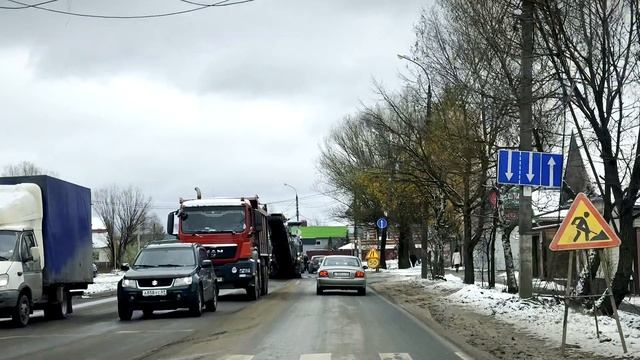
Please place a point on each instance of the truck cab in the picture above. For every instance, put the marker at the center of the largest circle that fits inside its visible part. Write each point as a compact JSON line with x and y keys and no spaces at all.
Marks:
{"x":21,"y":259}
{"x":234,"y":232}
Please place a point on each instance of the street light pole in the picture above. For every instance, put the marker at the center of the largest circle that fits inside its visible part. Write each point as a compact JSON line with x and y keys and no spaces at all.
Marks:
{"x":404,"y":57}
{"x":297,"y":208}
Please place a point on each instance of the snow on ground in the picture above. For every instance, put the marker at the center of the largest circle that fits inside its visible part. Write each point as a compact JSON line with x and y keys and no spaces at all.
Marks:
{"x":541,"y":317}
{"x":104,"y":283}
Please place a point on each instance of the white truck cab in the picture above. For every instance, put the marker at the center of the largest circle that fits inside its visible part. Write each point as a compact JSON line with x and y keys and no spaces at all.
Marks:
{"x":21,"y":251}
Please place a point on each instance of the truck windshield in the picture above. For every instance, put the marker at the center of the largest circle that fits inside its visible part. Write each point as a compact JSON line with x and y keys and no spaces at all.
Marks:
{"x":165,"y":257}
{"x":7,"y":244}
{"x":213,"y":219}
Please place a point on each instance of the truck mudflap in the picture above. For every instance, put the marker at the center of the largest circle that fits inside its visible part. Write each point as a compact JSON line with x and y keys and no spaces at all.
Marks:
{"x":236,"y":275}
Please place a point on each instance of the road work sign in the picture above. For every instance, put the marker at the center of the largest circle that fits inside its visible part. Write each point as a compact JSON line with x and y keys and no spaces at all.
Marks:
{"x":373,"y":254}
{"x":584,"y":228}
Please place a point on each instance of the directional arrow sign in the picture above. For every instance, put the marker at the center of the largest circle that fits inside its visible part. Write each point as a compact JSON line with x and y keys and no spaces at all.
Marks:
{"x":508,"y":167}
{"x":530,"y":168}
{"x":551,"y":173}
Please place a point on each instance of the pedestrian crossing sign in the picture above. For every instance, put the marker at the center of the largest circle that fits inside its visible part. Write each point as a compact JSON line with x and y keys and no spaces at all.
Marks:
{"x":584,"y":228}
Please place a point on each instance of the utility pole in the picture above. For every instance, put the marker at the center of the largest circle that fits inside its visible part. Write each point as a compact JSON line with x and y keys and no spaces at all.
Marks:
{"x":526,"y":124}
{"x":297,"y":206}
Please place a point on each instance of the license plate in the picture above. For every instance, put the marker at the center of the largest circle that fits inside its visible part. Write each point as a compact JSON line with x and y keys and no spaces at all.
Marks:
{"x":154,"y":292}
{"x":341,"y":274}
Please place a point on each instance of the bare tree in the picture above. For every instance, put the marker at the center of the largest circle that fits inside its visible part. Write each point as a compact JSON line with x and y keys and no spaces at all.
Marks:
{"x":594,"y":48}
{"x":25,"y":168}
{"x":124,"y":212}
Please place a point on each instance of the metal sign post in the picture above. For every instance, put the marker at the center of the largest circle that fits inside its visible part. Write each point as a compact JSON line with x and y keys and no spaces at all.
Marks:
{"x":585,"y":228}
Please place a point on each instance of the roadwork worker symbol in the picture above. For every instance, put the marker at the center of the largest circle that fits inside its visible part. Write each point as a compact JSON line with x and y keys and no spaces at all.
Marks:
{"x":582,"y":226}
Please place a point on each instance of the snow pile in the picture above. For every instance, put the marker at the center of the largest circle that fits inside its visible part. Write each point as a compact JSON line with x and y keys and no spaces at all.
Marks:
{"x":104,"y":283}
{"x":544,"y":319}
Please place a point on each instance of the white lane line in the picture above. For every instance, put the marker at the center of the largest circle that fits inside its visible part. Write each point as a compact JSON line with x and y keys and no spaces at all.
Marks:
{"x":94,"y":303}
{"x":324,"y":356}
{"x":463,"y":356}
{"x":238,"y":357}
{"x":395,"y":356}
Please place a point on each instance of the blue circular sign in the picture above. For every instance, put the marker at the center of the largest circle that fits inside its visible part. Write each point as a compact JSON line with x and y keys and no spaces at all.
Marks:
{"x":382,"y":223}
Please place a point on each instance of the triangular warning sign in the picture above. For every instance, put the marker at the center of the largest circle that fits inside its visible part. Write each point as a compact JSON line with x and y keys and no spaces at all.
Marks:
{"x":372,"y":254}
{"x":584,"y":228}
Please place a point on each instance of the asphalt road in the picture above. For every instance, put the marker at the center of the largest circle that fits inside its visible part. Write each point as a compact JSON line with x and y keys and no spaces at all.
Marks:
{"x":290,"y":323}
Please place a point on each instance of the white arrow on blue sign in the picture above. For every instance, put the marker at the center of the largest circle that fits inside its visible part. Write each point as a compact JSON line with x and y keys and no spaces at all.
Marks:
{"x":529,"y":168}
{"x":382,"y":223}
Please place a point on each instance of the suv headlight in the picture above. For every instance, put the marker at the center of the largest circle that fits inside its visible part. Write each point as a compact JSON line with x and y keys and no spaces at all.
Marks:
{"x":4,"y":280}
{"x":128,"y":283}
{"x":183,"y":281}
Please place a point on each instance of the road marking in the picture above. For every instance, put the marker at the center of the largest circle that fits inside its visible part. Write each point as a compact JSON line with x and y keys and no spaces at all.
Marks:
{"x":238,"y":357}
{"x":94,"y":303}
{"x":324,"y":356}
{"x":463,"y":356}
{"x":395,"y":356}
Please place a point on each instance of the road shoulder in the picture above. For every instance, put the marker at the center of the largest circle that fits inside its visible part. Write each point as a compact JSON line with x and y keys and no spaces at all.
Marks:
{"x":481,"y":336}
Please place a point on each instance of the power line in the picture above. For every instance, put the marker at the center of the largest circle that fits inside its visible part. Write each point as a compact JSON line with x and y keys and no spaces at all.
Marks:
{"x":200,"y":7}
{"x":26,"y":6}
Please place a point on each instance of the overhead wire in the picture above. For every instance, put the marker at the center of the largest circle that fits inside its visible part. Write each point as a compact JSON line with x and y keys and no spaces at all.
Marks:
{"x":70,"y":13}
{"x":26,"y":6}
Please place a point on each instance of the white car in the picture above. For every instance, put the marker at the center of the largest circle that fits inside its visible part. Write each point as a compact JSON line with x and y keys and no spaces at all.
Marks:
{"x":341,"y":273}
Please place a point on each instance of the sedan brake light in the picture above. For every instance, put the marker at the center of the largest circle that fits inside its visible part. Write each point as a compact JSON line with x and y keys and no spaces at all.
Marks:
{"x":323,"y":273}
{"x":359,"y":274}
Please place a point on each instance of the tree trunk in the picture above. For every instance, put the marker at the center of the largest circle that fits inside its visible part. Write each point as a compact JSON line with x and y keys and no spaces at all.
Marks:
{"x":404,"y":235}
{"x":492,"y":256}
{"x":467,"y":248}
{"x":512,"y":283}
{"x":627,"y":251}
{"x":424,"y":267}
{"x":587,"y":274}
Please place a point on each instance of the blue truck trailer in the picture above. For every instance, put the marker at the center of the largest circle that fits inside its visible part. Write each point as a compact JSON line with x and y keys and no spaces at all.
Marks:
{"x":45,"y":245}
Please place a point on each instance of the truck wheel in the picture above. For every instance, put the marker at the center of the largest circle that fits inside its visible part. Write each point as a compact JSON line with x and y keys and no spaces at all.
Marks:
{"x":264,"y":289}
{"x":124,"y":312}
{"x":196,"y":308}
{"x":253,"y":291}
{"x":58,"y":310}
{"x":20,"y":315}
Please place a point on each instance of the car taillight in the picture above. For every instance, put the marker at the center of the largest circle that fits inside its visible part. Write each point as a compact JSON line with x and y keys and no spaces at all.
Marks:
{"x":359,"y":274}
{"x":323,"y":273}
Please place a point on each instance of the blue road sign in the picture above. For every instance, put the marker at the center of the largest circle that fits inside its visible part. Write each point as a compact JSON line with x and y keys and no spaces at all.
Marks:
{"x":551,"y":175}
{"x":508,"y":167}
{"x":529,"y":168}
{"x":382,"y":223}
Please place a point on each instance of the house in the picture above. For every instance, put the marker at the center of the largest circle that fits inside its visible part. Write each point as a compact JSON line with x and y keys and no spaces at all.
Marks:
{"x":101,"y":255}
{"x":323,"y":237}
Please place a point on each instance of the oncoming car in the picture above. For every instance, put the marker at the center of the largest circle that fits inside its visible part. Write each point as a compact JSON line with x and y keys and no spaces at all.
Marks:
{"x":343,"y":273}
{"x":168,"y":277}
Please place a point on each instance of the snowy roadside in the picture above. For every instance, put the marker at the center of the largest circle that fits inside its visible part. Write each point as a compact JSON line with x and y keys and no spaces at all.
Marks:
{"x":541,"y":318}
{"x":104,"y":283}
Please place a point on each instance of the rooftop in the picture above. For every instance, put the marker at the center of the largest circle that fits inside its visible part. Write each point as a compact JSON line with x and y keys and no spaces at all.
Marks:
{"x":323,"y":232}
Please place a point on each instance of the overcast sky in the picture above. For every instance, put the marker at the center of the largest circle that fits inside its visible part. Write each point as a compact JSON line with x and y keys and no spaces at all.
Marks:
{"x":235,"y":100}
